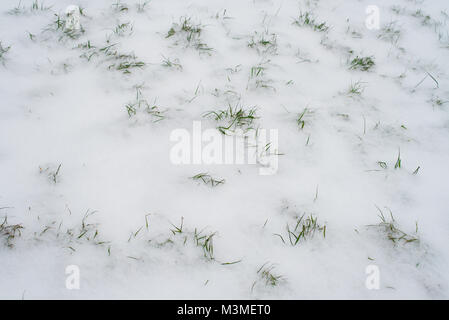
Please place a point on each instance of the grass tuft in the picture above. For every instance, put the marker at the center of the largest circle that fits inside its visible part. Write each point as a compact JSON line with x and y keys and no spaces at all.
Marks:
{"x":390,"y":228}
{"x":207,"y":179}
{"x":3,"y":52}
{"x":307,"y":19}
{"x":267,"y":276}
{"x":362,"y":63}
{"x":10,"y":232}
{"x":233,"y":118}
{"x":305,"y":228}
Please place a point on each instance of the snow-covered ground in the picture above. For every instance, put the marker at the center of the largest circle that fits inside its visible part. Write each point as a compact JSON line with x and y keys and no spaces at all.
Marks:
{"x":86,"y":177}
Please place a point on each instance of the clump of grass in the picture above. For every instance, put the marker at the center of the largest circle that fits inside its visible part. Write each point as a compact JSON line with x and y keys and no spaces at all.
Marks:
{"x":256,"y":71}
{"x":425,"y":18}
{"x":267,"y":276}
{"x":60,"y":25}
{"x":124,"y":62}
{"x":141,"y":6}
{"x":53,"y":174}
{"x":124,"y":29}
{"x":3,"y":52}
{"x":205,"y":242}
{"x":10,"y":232}
{"x":264,"y":43}
{"x":436,"y":101}
{"x":307,"y":19}
{"x":178,"y":229}
{"x":305,"y":228}
{"x":233,"y":118}
{"x":17,"y":10}
{"x":390,"y":32}
{"x":362,"y":63}
{"x":300,"y":120}
{"x":382,"y":164}
{"x":356,"y":89}
{"x":201,"y":239}
{"x":256,"y":77}
{"x":83,"y":232}
{"x":126,"y":66}
{"x":140,"y":103}
{"x":390,"y":228}
{"x":119,"y":61}
{"x":189,"y":33}
{"x":207,"y":179}
{"x":120,"y":7}
{"x":397,"y":9}
{"x":166,"y":62}
{"x":35,"y":7}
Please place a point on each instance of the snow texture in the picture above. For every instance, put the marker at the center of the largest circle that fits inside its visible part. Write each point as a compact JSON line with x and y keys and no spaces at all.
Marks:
{"x":87,"y":181}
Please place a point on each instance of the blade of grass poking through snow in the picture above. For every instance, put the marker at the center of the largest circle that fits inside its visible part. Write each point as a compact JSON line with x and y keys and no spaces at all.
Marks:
{"x":308,"y":20}
{"x":300,"y":121}
{"x":398,"y":161}
{"x":146,"y":221}
{"x":230,"y":263}
{"x":207,"y":179}
{"x":177,"y":229}
{"x":382,"y":164}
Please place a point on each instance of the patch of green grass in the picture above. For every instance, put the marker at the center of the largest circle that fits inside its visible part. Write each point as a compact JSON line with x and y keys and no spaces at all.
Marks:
{"x":188,"y":33}
{"x":267,"y":276}
{"x":307,"y":19}
{"x":390,"y":228}
{"x":356,"y":89}
{"x":126,"y":66}
{"x":362,"y":63}
{"x":178,"y":229}
{"x":305,"y":228}
{"x":59,"y":26}
{"x":256,"y":71}
{"x":205,"y":241}
{"x":233,"y":118}
{"x":124,"y":62}
{"x":390,"y":32}
{"x":120,"y":7}
{"x":207,"y":179}
{"x":123,"y":29}
{"x":166,"y":62}
{"x":10,"y":232}
{"x":140,"y":103}
{"x":264,"y":43}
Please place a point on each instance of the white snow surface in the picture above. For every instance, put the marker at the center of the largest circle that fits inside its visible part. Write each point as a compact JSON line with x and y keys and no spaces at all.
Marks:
{"x":62,"y":104}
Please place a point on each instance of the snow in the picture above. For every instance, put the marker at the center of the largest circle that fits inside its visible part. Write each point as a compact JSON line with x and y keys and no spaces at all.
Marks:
{"x":116,"y":177}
